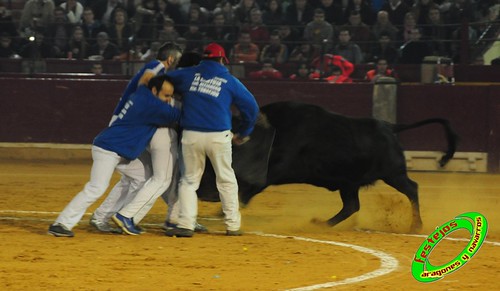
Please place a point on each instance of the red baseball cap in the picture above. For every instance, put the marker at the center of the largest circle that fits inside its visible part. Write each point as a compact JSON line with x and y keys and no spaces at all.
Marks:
{"x":214,"y":50}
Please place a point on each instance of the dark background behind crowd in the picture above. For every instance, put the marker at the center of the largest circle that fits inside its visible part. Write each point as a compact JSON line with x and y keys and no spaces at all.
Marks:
{"x":266,"y":32}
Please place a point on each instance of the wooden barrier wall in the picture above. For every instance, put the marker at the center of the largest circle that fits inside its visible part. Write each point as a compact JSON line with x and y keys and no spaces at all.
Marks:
{"x":68,"y":110}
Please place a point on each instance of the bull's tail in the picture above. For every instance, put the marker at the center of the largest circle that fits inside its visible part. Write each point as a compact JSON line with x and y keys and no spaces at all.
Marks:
{"x":451,"y":136}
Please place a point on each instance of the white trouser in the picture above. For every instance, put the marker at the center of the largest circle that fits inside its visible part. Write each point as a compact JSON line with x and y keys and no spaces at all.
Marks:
{"x":104,"y":164}
{"x":163,"y":150}
{"x":196,"y":146}
{"x":171,"y":198}
{"x":125,"y":190}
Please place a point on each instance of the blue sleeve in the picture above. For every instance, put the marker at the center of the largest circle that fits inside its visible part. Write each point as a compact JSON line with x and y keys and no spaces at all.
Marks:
{"x":247,"y":105}
{"x":154,"y":66}
{"x":159,"y":113}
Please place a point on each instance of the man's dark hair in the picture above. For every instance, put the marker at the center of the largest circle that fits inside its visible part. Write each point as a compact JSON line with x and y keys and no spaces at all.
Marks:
{"x":189,"y":59}
{"x":157,"y":82}
{"x":167,"y":49}
{"x":215,"y":59}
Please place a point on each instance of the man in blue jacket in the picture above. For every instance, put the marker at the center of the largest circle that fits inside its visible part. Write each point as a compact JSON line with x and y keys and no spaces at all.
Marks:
{"x":138,"y":195}
{"x":209,"y":91}
{"x":119,"y":145}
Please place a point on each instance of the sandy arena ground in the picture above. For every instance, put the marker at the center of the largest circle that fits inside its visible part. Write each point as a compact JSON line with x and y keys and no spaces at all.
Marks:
{"x":280,"y":250}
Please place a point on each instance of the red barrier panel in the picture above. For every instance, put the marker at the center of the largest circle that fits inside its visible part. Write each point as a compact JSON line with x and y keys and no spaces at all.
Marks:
{"x":60,"y":110}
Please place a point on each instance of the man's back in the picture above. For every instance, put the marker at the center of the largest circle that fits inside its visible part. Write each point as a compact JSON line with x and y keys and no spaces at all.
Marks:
{"x":208,"y":91}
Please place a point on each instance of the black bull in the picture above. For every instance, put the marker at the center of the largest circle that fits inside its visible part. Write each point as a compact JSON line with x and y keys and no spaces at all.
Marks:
{"x":301,"y":143}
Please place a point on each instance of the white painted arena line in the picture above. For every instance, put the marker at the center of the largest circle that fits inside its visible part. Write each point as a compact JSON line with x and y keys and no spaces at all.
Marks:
{"x":388,"y":263}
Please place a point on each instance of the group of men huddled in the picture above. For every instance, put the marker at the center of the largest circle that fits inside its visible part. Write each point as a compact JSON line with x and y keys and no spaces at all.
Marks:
{"x":141,"y":142}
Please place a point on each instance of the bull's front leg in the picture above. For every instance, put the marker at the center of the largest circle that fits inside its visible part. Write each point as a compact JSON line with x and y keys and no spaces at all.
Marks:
{"x":350,"y":201}
{"x":416,"y":225}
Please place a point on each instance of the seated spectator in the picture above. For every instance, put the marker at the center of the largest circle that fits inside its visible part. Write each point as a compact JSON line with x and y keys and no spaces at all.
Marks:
{"x":59,"y":32}
{"x":267,"y":72}
{"x":194,"y":38}
{"x":302,"y":73}
{"x":168,"y":32}
{"x":91,"y":27}
{"x":298,"y":14}
{"x":381,"y":70}
{"x":275,"y":51}
{"x":104,"y":48}
{"x":359,"y":31}
{"x":362,"y":7}
{"x":96,"y":69}
{"x":146,"y":21}
{"x":414,"y":51}
{"x":225,"y":7}
{"x":245,"y":51}
{"x":457,"y":10}
{"x":323,"y":67}
{"x":347,"y":49}
{"x":197,"y":16}
{"x":319,"y":32}
{"x":7,"y":47}
{"x":383,"y":24}
{"x":337,"y":76}
{"x":37,"y":48}
{"x":36,"y":16}
{"x":78,"y":47}
{"x":170,"y":10}
{"x":120,"y":32}
{"x":7,"y":24}
{"x":435,"y":32}
{"x":220,"y":32}
{"x":397,"y":10}
{"x":137,"y":51}
{"x":384,"y":49}
{"x":333,"y":11}
{"x":272,"y":14}
{"x":242,"y":11}
{"x":409,"y":24}
{"x":151,"y":53}
{"x":207,"y":5}
{"x":289,"y":36}
{"x":73,"y":10}
{"x":257,"y":29}
{"x":456,"y":44}
{"x":489,"y":27}
{"x":305,"y":52}
{"x":181,"y":42}
{"x":421,"y":10}
{"x":104,"y":11}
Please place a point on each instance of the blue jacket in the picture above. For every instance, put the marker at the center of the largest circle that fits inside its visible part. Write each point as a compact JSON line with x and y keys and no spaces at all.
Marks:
{"x":208,"y":91}
{"x":155,"y":65}
{"x":138,"y":120}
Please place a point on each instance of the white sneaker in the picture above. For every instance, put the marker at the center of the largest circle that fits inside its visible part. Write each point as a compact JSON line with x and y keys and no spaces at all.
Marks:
{"x":103,"y":226}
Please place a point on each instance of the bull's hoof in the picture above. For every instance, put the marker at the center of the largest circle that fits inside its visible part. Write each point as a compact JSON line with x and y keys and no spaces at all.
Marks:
{"x":416,"y":228}
{"x":318,"y":221}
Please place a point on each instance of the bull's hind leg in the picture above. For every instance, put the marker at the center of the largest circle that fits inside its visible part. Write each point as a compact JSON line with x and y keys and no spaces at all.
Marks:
{"x":350,"y":201}
{"x":408,"y":187}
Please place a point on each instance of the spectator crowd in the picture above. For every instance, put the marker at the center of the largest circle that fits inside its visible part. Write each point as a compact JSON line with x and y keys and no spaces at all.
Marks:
{"x":268,"y":32}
